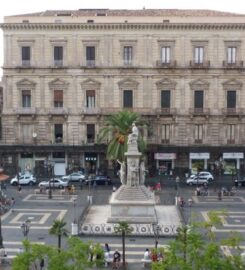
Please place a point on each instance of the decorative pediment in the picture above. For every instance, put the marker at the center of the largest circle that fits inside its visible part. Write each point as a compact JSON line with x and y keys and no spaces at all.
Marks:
{"x":58,"y":83}
{"x":90,"y":83}
{"x":232,"y":84}
{"x":166,"y":84}
{"x":128,"y":83}
{"x":25,"y":83}
{"x":199,"y":84}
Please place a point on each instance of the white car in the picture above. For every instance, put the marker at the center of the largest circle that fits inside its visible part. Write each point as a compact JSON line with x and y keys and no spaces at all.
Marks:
{"x":54,"y":183}
{"x":203,"y":175}
{"x":76,"y":176}
{"x":196,"y":181}
{"x":25,"y":179}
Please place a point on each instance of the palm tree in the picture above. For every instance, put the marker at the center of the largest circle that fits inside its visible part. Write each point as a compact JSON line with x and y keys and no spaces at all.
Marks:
{"x":124,"y":229}
{"x":58,"y":229}
{"x":119,"y":125}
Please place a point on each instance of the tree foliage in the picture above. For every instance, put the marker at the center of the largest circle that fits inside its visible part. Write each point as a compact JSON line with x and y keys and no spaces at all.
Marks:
{"x":118,"y":127}
{"x":196,"y":248}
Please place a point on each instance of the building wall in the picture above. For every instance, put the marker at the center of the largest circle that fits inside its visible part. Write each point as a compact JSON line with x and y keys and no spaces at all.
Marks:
{"x":110,"y":77}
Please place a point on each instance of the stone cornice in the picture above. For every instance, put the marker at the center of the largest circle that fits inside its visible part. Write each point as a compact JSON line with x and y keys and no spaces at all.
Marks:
{"x":122,"y":26}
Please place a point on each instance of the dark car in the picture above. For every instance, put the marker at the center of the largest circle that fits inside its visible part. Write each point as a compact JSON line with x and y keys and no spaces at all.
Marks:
{"x":241,"y":182}
{"x":99,"y":180}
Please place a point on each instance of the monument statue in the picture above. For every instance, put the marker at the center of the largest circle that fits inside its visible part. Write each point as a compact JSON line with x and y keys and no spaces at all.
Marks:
{"x":122,"y":172}
{"x":133,"y":137}
{"x":142,"y":172}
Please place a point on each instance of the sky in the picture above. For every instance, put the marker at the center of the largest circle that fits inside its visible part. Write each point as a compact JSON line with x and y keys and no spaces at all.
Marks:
{"x":15,"y":7}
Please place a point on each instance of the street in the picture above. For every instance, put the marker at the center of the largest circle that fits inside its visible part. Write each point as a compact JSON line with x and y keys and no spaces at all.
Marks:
{"x":41,"y":211}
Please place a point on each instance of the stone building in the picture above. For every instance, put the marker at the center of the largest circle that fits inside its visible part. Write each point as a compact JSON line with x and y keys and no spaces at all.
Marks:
{"x":182,"y":70}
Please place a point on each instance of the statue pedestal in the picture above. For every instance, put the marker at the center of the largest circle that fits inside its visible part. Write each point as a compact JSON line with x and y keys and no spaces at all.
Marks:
{"x":132,"y":204}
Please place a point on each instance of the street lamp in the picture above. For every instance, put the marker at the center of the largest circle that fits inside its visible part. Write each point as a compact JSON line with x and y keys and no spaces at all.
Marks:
{"x":74,"y":209}
{"x":50,"y":168}
{"x":25,"y":227}
{"x":156,"y":230}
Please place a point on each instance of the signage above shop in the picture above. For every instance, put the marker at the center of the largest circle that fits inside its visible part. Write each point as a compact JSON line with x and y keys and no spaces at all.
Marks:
{"x":199,"y":156}
{"x":238,"y":155}
{"x":165,"y":156}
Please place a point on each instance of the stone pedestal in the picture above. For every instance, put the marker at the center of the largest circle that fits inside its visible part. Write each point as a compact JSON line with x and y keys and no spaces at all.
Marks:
{"x":133,"y":205}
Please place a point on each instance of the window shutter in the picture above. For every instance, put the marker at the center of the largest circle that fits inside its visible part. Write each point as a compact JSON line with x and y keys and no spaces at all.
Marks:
{"x":58,"y":95}
{"x":90,"y":93}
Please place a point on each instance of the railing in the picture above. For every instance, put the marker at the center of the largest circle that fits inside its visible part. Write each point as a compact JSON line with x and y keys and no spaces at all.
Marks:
{"x":90,"y":63}
{"x":166,"y":111}
{"x":26,"y":63}
{"x":91,"y":111}
{"x":199,"y":111}
{"x":204,"y":64}
{"x":237,"y":64}
{"x":26,"y":111}
{"x":171,"y":64}
{"x":58,"y":111}
{"x":231,"y":141}
{"x":58,"y":63}
{"x":233,"y":111}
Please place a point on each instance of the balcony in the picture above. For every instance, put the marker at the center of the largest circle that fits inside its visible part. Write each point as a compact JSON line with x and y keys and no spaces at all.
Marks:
{"x":204,"y":64}
{"x":233,"y":111}
{"x":199,"y":111}
{"x":235,"y":65}
{"x":58,"y":63}
{"x":58,"y":112}
{"x":26,"y":63}
{"x":90,"y":111}
{"x":26,"y":111}
{"x":171,"y":64}
{"x":143,"y":111}
{"x":166,"y":111}
{"x":231,"y":141}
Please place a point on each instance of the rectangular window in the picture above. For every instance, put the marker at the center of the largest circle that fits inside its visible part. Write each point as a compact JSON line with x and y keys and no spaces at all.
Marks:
{"x":58,"y":133}
{"x":26,"y":98}
{"x":199,"y":55}
{"x":231,"y":55}
{"x":58,"y":55}
{"x":198,"y":99}
{"x":198,"y":133}
{"x":90,"y":55}
{"x":90,"y":133}
{"x":90,"y":98}
{"x":165,"y":132}
{"x":231,"y":99}
{"x":127,"y":55}
{"x":58,"y":98}
{"x":231,"y":133}
{"x":165,"y":99}
{"x":27,"y":131}
{"x":165,"y":55}
{"x":26,"y":55}
{"x":127,"y":99}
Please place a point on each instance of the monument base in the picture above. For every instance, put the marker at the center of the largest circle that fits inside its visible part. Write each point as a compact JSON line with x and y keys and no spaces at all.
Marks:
{"x":132,"y":204}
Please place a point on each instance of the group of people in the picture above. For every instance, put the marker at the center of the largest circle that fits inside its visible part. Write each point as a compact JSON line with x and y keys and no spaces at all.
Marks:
{"x":115,"y":259}
{"x":153,"y":256}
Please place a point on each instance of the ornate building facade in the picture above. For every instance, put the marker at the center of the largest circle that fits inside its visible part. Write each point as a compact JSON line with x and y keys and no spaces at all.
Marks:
{"x":182,"y":70}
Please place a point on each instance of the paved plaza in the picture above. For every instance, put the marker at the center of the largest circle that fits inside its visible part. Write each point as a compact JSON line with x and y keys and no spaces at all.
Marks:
{"x":42,"y":211}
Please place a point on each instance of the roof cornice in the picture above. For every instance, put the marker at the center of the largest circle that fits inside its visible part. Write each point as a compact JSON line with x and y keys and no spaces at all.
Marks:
{"x":122,"y":26}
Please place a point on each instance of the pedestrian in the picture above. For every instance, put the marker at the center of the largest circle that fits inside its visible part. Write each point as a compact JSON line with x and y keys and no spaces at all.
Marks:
{"x":107,"y":248}
{"x":181,"y":202}
{"x":114,"y":188}
{"x":147,"y":254}
{"x":116,"y":259}
{"x":220,"y":195}
{"x":19,"y":188}
{"x":12,"y":201}
{"x":236,"y":183}
{"x":41,"y":263}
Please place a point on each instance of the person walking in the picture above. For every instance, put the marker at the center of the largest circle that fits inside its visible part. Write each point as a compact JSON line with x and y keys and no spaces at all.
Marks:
{"x":116,"y":260}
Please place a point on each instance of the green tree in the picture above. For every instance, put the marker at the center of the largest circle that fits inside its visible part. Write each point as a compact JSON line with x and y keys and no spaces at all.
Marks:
{"x":196,"y":247}
{"x":124,"y":229}
{"x":119,"y":127}
{"x":59,"y":229}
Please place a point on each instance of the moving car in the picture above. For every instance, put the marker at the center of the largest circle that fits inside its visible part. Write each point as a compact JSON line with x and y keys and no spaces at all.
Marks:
{"x":99,"y":180}
{"x":54,"y":183}
{"x":203,"y":175}
{"x":25,"y":179}
{"x":197,"y":180}
{"x":76,"y":177}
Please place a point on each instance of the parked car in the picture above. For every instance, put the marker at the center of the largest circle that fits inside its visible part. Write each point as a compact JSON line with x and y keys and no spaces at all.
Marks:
{"x":240,"y":182}
{"x":99,"y":180}
{"x":76,"y":176}
{"x":54,"y":183}
{"x":197,"y":180}
{"x":203,"y":175}
{"x":24,"y":179}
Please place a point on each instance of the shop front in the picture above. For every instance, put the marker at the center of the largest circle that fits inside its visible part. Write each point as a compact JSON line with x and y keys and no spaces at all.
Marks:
{"x":231,"y":162}
{"x":198,"y":162}
{"x":165,"y":162}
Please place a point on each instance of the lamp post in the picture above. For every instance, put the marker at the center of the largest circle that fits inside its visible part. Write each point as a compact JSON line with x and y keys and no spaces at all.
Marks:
{"x":25,"y":227}
{"x":50,"y":166}
{"x":1,"y":236}
{"x":74,"y":211}
{"x":156,"y":230}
